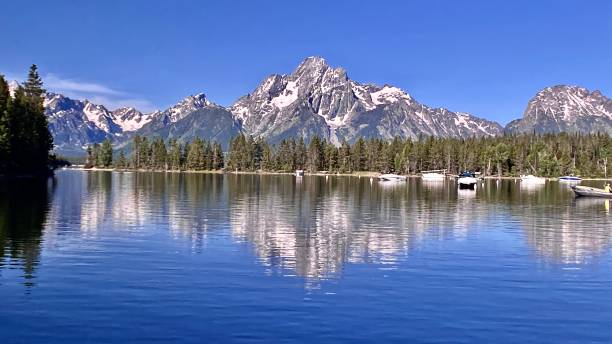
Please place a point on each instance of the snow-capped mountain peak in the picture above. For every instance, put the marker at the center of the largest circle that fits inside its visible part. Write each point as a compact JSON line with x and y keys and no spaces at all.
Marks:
{"x":130,"y":119}
{"x":565,"y":108}
{"x":317,"y":99}
{"x":186,"y":106}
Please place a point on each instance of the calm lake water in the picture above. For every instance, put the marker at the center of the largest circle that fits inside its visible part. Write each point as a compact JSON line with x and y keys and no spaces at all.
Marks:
{"x":96,"y":257}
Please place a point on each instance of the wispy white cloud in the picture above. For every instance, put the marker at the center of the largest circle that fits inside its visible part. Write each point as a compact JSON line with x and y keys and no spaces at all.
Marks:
{"x":54,"y":82}
{"x":94,"y":92}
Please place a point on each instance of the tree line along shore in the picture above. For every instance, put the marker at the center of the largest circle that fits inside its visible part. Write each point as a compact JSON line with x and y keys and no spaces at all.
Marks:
{"x":548,"y":155}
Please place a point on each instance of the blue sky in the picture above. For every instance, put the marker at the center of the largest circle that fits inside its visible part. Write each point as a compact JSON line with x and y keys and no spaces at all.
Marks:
{"x":483,"y":57}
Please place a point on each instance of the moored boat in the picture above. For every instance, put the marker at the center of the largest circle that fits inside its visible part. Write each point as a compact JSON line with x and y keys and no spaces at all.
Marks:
{"x":570,"y":179}
{"x":586,"y":191}
{"x":389,"y":177}
{"x":433,"y":175}
{"x":299,"y":173}
{"x":467,"y":179}
{"x":533,"y":179}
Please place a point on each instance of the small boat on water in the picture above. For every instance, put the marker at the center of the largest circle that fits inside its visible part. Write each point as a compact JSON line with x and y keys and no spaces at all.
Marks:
{"x":299,"y":173}
{"x":531,"y":179}
{"x":586,"y":191}
{"x":433,"y":175}
{"x":467,"y":180}
{"x":570,"y":179}
{"x":389,"y":177}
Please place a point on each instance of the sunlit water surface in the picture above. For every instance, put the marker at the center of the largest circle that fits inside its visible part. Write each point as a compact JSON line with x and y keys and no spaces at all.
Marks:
{"x":95,"y":257}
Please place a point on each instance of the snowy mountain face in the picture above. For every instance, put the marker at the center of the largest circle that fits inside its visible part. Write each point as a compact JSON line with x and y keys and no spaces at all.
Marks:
{"x":184,"y":108}
{"x":317,"y":99}
{"x":194,"y":116}
{"x":565,"y":109}
{"x":74,"y":124}
{"x":130,"y":119}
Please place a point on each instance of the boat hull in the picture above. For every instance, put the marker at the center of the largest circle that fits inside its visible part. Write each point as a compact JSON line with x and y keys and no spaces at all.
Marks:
{"x":392,"y":178}
{"x":533,"y":180}
{"x":433,"y":176}
{"x":467,"y":181}
{"x":585,"y":191}
{"x":570,"y":179}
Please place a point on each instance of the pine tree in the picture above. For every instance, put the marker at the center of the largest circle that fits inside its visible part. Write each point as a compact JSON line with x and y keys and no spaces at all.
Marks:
{"x":33,"y":86}
{"x":89,"y":158}
{"x":158,"y":154}
{"x":344,"y":157}
{"x":96,"y":156}
{"x":105,"y":157}
{"x":195,"y":156}
{"x":217,"y":156}
{"x":136,"y":162}
{"x":144,"y":153}
{"x":40,"y":137}
{"x":314,"y":160}
{"x":5,"y":98}
{"x":121,"y":162}
{"x":21,"y":145}
{"x":174,"y":156}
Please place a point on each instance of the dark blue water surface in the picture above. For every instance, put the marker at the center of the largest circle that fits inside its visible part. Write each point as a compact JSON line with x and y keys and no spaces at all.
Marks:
{"x":104,"y":257}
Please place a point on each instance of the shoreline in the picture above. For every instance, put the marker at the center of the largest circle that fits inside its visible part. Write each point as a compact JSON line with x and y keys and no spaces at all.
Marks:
{"x":365,"y":174}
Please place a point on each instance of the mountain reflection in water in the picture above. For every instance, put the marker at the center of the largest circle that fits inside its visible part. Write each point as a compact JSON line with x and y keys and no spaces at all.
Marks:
{"x":310,"y":227}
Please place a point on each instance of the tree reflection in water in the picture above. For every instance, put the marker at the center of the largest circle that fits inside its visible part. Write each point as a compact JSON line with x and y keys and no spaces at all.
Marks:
{"x":24,"y":205}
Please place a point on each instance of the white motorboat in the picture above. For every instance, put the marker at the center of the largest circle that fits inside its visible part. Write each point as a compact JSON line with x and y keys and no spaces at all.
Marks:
{"x":389,"y":177}
{"x":467,"y":179}
{"x":570,"y":179}
{"x":531,"y":179}
{"x":433,"y":175}
{"x":299,"y":173}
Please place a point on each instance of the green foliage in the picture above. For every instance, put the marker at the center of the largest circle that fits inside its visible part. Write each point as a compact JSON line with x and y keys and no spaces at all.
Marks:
{"x":25,"y":140}
{"x":121,"y":162}
{"x":546,"y":155}
{"x":105,"y":158}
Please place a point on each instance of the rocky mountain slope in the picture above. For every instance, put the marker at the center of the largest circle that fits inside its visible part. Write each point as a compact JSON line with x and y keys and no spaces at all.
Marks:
{"x":74,"y":124}
{"x":565,"y":109}
{"x":194,"y":116}
{"x":317,"y":99}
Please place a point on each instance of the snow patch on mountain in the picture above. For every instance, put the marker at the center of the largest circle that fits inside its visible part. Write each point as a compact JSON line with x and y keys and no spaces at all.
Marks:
{"x":98,"y":115}
{"x":565,"y":108}
{"x":130,"y":119}
{"x":389,"y":94}
{"x":288,"y":96}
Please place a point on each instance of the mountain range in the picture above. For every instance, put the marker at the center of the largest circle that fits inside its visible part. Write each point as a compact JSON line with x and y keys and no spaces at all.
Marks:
{"x":316,"y":99}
